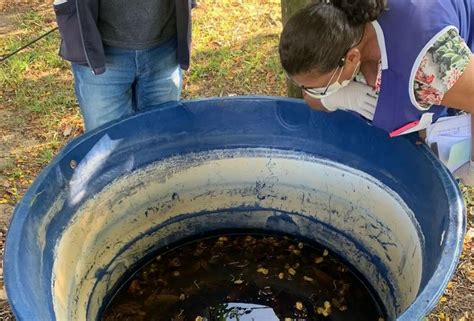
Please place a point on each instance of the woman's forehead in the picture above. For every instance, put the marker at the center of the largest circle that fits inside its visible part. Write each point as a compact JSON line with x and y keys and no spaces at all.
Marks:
{"x":312,"y":77}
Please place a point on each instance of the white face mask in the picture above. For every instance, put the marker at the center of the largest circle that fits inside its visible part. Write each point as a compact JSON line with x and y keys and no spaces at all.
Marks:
{"x":319,"y":93}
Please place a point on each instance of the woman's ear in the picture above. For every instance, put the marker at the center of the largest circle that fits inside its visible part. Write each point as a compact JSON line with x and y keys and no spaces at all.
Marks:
{"x":353,"y":56}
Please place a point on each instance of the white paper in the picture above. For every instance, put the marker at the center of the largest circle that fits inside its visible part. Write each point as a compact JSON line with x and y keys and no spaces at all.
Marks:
{"x":452,"y":135}
{"x":456,"y":126}
{"x":459,"y":155}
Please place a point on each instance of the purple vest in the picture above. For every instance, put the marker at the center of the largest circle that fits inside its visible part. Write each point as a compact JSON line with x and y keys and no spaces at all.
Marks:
{"x":408,"y":28}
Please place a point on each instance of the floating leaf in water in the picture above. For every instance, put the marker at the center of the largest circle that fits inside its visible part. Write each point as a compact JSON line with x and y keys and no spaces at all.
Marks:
{"x":262,"y":270}
{"x":326,"y":310}
{"x":299,"y":306}
{"x":281,"y":275}
{"x":320,"y":310}
{"x":175,"y":262}
{"x":318,"y":260}
{"x":292,"y":271}
{"x":325,"y":253}
{"x":308,"y":279}
{"x":135,"y":288}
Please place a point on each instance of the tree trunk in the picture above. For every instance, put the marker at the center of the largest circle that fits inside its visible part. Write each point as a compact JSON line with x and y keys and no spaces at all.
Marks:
{"x":288,"y":8}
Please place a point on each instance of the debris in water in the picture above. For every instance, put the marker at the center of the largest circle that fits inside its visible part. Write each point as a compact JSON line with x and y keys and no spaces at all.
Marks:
{"x":318,"y":260}
{"x":264,"y":271}
{"x":308,"y":279}
{"x":208,"y":280}
{"x":299,"y":306}
{"x":292,"y":271}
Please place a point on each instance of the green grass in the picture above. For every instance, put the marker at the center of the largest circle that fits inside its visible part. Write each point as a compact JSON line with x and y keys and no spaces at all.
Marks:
{"x":35,"y":77}
{"x":232,"y":55}
{"x":46,"y":155}
{"x":37,"y":93}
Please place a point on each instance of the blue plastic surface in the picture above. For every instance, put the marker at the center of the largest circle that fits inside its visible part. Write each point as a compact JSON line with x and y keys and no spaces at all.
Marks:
{"x":402,"y":164}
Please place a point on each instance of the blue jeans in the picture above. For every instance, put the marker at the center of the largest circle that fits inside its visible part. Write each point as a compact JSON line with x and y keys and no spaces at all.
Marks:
{"x":134,"y":80}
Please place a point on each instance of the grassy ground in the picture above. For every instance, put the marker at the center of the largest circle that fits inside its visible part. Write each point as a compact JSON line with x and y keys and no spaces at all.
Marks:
{"x":234,"y":53}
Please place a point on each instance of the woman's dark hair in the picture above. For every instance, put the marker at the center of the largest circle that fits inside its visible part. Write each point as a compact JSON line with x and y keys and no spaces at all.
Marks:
{"x":317,"y":37}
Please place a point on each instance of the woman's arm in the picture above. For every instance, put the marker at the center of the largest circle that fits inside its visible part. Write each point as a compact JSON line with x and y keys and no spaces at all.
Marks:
{"x":442,"y":66}
{"x":461,"y":94}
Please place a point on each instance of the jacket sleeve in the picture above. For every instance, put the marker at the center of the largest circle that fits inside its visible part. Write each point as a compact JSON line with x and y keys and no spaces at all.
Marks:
{"x":71,"y":47}
{"x":183,"y":24}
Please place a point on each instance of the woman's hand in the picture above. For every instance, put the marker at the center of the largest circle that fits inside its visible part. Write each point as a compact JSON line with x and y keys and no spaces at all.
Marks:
{"x":461,"y":94}
{"x":356,"y":97}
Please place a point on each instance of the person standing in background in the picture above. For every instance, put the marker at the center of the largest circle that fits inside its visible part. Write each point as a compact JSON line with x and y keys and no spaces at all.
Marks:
{"x":126,"y":56}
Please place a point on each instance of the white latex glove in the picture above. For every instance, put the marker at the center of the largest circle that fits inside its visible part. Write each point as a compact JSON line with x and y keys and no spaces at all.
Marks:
{"x":357,"y":97}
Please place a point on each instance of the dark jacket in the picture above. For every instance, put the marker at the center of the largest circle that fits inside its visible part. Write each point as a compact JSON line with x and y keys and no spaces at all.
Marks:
{"x":81,"y":41}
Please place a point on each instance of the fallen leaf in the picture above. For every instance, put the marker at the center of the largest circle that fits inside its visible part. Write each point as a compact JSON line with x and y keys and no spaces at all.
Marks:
{"x":67,"y":131}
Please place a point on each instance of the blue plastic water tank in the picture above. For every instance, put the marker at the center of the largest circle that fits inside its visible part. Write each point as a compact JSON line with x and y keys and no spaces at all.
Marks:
{"x":115,"y":196}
